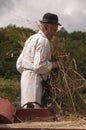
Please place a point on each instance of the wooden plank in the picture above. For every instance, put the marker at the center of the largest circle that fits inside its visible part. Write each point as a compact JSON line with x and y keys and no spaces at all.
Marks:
{"x":55,"y":125}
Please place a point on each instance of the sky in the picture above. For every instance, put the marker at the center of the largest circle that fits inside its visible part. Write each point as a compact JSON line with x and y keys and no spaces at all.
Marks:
{"x":27,"y":13}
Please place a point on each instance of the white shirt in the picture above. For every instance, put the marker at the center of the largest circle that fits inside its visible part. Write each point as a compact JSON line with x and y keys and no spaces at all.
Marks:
{"x":36,"y":54}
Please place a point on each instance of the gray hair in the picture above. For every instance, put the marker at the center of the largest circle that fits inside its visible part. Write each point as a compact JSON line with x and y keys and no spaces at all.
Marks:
{"x":43,"y":25}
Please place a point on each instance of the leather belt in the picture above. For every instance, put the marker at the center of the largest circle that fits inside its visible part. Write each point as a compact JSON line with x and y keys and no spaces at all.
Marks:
{"x":28,"y":69}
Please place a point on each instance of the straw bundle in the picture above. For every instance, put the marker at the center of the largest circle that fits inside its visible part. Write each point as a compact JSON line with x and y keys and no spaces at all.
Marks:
{"x":64,"y":84}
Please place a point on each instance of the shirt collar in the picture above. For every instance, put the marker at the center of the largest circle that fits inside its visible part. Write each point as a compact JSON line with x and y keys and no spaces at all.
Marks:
{"x":41,"y":32}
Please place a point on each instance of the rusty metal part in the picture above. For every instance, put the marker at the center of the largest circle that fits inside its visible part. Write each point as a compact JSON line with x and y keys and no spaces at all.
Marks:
{"x":7,"y":111}
{"x":29,"y":114}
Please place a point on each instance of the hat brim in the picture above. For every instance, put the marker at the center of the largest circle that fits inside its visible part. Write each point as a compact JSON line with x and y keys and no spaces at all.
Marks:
{"x":42,"y":22}
{"x":59,"y":24}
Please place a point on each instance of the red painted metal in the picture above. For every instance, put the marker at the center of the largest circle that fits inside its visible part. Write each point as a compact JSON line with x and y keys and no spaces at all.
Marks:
{"x":23,"y":115}
{"x":7,"y":111}
{"x":9,"y":114}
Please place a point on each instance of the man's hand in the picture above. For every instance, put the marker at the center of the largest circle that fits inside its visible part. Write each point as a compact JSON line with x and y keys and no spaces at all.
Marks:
{"x":57,"y":64}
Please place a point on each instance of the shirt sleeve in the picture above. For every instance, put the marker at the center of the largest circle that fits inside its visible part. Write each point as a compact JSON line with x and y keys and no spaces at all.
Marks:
{"x":42,"y":64}
{"x":19,"y":66}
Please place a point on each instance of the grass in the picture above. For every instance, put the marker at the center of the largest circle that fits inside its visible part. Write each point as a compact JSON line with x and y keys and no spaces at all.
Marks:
{"x":10,"y":89}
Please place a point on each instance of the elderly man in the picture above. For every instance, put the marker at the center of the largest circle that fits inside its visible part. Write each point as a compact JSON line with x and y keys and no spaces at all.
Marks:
{"x":34,"y":63}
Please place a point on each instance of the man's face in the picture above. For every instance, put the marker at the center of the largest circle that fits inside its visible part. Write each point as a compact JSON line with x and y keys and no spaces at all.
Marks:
{"x":52,"y":30}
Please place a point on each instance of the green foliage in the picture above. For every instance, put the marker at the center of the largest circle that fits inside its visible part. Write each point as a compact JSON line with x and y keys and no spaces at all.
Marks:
{"x":10,"y":48}
{"x":76,"y":46}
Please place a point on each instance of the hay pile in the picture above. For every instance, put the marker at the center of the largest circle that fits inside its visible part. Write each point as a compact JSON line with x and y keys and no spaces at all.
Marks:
{"x":64,"y":84}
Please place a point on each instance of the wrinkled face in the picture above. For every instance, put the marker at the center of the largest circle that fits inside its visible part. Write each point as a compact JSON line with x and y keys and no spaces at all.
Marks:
{"x":52,"y":30}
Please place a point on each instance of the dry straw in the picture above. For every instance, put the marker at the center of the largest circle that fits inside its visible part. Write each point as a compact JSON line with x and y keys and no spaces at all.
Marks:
{"x":64,"y":84}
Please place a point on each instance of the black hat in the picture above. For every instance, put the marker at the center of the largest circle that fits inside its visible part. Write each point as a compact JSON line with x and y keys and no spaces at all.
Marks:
{"x":50,"y":18}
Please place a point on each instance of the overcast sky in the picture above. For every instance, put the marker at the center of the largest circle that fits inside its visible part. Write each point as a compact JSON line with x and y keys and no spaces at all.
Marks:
{"x":27,"y":13}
